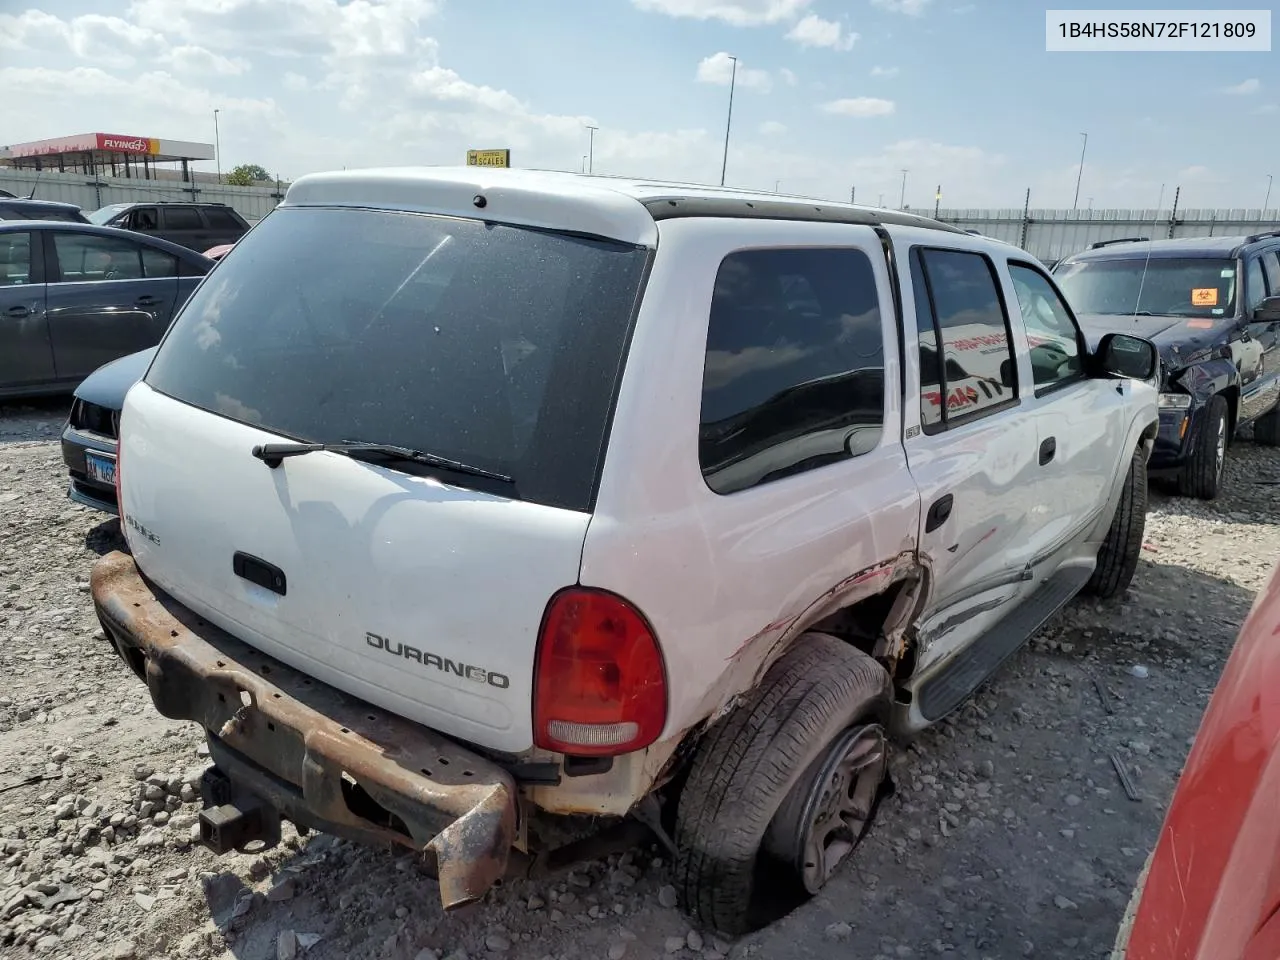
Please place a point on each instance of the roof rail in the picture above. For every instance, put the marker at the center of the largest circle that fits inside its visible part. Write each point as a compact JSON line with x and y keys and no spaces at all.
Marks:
{"x":1107,"y":243}
{"x":1253,"y":238}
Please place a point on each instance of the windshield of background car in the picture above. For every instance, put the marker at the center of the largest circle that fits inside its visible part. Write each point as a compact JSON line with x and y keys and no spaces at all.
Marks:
{"x":493,"y":345}
{"x":103,"y":214}
{"x":1175,"y":287}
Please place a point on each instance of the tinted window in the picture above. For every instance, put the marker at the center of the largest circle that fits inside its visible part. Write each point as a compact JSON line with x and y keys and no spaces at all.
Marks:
{"x":182,"y":218}
{"x":144,"y":219}
{"x":493,"y":345}
{"x":222,"y":219}
{"x":1162,"y":286}
{"x":968,"y":320}
{"x":794,"y":371}
{"x":15,"y":259}
{"x":84,"y":257}
{"x":1255,"y":285}
{"x":1271,"y":267}
{"x":1051,"y":333}
{"x":158,"y":263}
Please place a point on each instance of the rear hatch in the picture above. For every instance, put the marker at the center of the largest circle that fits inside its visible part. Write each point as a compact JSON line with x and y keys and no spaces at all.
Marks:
{"x":417,"y":586}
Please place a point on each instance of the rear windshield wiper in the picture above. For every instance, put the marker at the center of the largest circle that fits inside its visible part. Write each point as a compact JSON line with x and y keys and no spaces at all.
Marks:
{"x":273,"y":453}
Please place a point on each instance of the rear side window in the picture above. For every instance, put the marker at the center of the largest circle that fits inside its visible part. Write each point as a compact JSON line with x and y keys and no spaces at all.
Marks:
{"x":15,"y":259}
{"x":182,"y":218}
{"x":83,"y":257}
{"x":794,"y":373}
{"x":144,"y":218}
{"x":492,"y":345}
{"x":158,"y":263}
{"x":965,"y":347}
{"x":222,"y":219}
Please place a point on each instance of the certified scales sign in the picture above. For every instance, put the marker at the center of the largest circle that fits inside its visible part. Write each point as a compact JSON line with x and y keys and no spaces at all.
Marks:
{"x":488,"y":158}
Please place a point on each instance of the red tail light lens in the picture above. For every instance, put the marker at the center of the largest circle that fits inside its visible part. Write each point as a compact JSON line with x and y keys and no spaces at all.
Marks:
{"x":600,"y":687}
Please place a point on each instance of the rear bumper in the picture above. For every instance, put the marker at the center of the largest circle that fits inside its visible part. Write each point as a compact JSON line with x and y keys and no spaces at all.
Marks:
{"x":319,"y":757}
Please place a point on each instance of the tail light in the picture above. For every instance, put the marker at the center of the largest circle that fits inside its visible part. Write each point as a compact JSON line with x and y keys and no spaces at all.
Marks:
{"x":600,"y":687}
{"x":119,"y":462}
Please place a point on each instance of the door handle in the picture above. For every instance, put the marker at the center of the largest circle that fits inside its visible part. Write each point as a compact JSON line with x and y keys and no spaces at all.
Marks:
{"x":147,"y":301}
{"x":938,"y":513}
{"x":1047,"y":449}
{"x":18,"y":312}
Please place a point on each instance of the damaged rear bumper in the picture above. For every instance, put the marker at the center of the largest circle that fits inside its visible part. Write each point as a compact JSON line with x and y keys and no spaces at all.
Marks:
{"x":315,"y":755}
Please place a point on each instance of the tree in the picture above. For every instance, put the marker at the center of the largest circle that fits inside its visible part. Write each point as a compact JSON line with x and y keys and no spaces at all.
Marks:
{"x":245,"y":174}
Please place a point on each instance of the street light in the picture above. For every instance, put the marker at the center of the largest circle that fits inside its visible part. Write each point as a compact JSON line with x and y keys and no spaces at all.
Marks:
{"x":217,"y":146}
{"x":591,"y":147}
{"x":1079,"y":173}
{"x":733,"y":77}
{"x":776,"y":184}
{"x":1268,"y":200}
{"x":902,"y":197}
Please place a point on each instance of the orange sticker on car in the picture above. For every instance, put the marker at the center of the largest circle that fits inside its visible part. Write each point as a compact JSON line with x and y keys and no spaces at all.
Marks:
{"x":1200,"y":324}
{"x":1204,"y":297}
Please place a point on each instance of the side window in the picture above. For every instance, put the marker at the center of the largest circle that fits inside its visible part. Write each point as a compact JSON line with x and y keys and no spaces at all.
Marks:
{"x":158,"y":263}
{"x":1051,"y":333}
{"x":793,"y":377}
{"x":144,"y":218}
{"x":1255,"y":286}
{"x":83,"y":257}
{"x":182,"y":218}
{"x":15,"y":259}
{"x":964,"y":336}
{"x":1271,"y":267}
{"x":221,"y":219}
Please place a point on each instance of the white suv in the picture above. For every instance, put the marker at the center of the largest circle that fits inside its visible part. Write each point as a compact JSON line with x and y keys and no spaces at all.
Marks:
{"x":456,"y":498}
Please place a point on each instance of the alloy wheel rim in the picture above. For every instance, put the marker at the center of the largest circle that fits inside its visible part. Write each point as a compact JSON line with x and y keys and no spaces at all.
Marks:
{"x":1221,"y":449}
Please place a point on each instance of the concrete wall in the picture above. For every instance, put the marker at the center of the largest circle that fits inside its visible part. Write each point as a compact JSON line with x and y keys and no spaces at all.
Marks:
{"x":253,"y":203}
{"x":1052,"y":234}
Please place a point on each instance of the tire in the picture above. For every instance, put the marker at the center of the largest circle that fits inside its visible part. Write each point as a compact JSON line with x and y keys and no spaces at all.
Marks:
{"x":1118,"y":555}
{"x":1266,"y":429}
{"x":1202,"y":475}
{"x":755,"y":768}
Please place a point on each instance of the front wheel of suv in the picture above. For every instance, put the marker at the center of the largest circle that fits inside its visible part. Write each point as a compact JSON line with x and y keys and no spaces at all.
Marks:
{"x":1202,"y":474}
{"x":1118,"y":555}
{"x":781,"y":791}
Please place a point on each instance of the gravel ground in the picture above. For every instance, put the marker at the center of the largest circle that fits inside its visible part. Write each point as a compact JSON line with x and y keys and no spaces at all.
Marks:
{"x":1009,"y":835}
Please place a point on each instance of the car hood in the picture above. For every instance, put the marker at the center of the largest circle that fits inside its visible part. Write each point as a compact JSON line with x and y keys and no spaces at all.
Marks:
{"x":107,"y":385}
{"x":1179,"y":339}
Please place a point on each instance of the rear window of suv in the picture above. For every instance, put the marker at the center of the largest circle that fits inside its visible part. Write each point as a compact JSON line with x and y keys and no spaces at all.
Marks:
{"x":492,"y":345}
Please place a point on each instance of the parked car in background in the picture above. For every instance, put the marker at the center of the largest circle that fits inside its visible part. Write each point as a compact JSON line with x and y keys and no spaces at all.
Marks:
{"x":74,"y":296}
{"x":197,"y":226}
{"x":705,"y":442}
{"x":1211,"y":888}
{"x":93,"y":427}
{"x":1212,"y":305}
{"x":18,"y":209}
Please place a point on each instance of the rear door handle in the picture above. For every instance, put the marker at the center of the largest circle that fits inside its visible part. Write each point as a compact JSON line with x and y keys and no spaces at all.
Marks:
{"x":18,"y":312}
{"x":938,"y":513}
{"x":147,"y":301}
{"x":1047,"y":449}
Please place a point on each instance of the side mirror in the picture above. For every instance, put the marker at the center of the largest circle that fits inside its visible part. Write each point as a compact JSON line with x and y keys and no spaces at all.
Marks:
{"x":1130,"y":357}
{"x":1268,"y":311}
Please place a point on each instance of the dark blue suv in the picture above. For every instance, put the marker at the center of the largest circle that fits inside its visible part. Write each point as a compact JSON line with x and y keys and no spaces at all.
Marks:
{"x":1212,"y":306}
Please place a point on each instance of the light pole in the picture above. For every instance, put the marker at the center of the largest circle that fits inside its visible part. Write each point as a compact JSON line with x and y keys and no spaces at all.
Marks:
{"x":902,"y":197}
{"x":584,"y":164}
{"x":1268,"y":200}
{"x":733,"y":78}
{"x":1079,"y":173}
{"x":591,"y":148}
{"x":217,"y":146}
{"x":776,"y":185}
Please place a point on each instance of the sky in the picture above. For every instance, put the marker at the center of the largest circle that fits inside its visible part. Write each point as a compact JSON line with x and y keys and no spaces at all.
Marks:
{"x":830,"y":95}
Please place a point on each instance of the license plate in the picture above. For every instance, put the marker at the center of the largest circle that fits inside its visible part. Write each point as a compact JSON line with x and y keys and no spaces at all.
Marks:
{"x":101,"y":467}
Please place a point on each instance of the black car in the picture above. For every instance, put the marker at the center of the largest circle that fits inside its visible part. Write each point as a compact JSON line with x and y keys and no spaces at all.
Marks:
{"x":197,"y":226}
{"x":1212,"y":306}
{"x":92,"y":429}
{"x":74,"y":296}
{"x":14,"y":208}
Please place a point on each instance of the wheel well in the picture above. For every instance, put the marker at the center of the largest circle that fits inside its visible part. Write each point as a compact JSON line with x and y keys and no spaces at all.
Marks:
{"x":862,"y":624}
{"x":1232,"y":396}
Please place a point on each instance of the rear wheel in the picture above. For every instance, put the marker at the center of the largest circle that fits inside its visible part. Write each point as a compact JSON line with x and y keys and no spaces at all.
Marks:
{"x":781,"y":791}
{"x":1119,"y":553}
{"x":1266,"y":429}
{"x":1202,"y":475}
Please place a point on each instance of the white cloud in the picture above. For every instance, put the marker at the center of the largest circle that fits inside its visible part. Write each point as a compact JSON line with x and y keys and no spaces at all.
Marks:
{"x":1252,"y":85}
{"x":772,"y":128}
{"x":912,"y":8}
{"x":718,"y":69}
{"x":813,"y":31}
{"x":788,"y":76}
{"x":295,"y":82}
{"x":199,"y":61}
{"x":884,"y":71}
{"x":859,"y":107}
{"x":742,"y":13}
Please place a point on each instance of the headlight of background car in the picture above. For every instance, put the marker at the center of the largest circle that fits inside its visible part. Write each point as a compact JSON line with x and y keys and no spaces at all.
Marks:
{"x":1174,"y":401}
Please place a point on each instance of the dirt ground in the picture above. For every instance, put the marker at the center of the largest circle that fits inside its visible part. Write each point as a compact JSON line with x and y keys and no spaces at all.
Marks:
{"x":1010,"y":834}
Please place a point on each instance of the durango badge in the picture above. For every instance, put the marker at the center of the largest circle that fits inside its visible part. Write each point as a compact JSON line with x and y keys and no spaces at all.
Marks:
{"x":443,"y":664}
